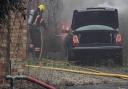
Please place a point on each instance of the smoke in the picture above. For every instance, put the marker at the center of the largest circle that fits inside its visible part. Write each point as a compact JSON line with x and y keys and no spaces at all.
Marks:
{"x":70,"y":5}
{"x":119,"y":4}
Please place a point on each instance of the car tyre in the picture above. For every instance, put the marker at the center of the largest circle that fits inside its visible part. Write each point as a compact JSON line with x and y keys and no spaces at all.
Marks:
{"x":119,"y":59}
{"x":69,"y":55}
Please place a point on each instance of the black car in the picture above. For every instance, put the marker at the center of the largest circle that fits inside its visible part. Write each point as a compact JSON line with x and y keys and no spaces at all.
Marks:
{"x":94,"y":31}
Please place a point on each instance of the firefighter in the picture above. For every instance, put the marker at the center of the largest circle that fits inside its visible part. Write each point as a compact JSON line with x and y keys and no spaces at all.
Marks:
{"x":39,"y":12}
{"x":32,"y":53}
{"x":36,"y":16}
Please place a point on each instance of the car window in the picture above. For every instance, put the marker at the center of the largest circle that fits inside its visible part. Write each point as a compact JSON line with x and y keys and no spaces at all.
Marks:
{"x":94,"y":27}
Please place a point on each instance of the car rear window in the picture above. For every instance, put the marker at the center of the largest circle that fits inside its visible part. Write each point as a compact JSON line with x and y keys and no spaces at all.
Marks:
{"x":94,"y":27}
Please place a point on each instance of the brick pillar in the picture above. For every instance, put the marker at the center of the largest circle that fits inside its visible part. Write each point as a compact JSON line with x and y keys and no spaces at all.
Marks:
{"x":2,"y":72}
{"x":18,"y":43}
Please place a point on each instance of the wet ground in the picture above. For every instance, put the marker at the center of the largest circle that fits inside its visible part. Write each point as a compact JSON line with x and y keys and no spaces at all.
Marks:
{"x":101,"y":86}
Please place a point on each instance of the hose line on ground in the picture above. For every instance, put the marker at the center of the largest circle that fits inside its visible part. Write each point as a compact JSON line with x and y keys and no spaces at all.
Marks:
{"x":98,"y":73}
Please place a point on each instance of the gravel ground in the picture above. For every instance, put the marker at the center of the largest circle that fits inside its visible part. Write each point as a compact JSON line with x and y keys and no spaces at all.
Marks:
{"x":100,"y":86}
{"x":62,"y":79}
{"x":70,"y":79}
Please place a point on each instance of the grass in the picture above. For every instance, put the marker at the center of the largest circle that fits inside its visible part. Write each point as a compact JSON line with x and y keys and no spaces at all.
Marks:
{"x":57,"y":63}
{"x":122,"y":68}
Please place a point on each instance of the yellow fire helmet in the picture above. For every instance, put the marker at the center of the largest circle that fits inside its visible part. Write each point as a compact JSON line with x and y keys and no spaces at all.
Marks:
{"x":41,"y":7}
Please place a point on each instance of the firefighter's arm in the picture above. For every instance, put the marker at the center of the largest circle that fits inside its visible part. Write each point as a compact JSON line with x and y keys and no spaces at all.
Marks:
{"x":36,"y":20}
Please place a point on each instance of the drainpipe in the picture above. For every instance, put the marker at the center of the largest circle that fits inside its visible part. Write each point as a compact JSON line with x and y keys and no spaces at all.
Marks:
{"x":8,"y":60}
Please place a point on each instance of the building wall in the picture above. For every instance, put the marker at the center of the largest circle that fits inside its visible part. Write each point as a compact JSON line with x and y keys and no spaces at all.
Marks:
{"x":18,"y":41}
{"x":3,"y":45}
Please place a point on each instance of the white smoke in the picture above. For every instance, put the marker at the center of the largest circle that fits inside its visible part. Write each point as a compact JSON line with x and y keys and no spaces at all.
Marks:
{"x":121,"y":5}
{"x":70,"y":5}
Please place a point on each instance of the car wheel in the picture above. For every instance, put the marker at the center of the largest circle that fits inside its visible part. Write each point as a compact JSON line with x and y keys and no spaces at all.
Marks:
{"x":119,"y":59}
{"x":69,"y":55}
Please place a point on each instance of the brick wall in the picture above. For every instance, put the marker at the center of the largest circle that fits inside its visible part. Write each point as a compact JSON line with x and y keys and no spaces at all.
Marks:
{"x":3,"y":44}
{"x":18,"y":46}
{"x":18,"y":42}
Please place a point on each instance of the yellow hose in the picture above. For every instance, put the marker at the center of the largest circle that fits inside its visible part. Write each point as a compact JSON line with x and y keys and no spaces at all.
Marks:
{"x":97,"y":73}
